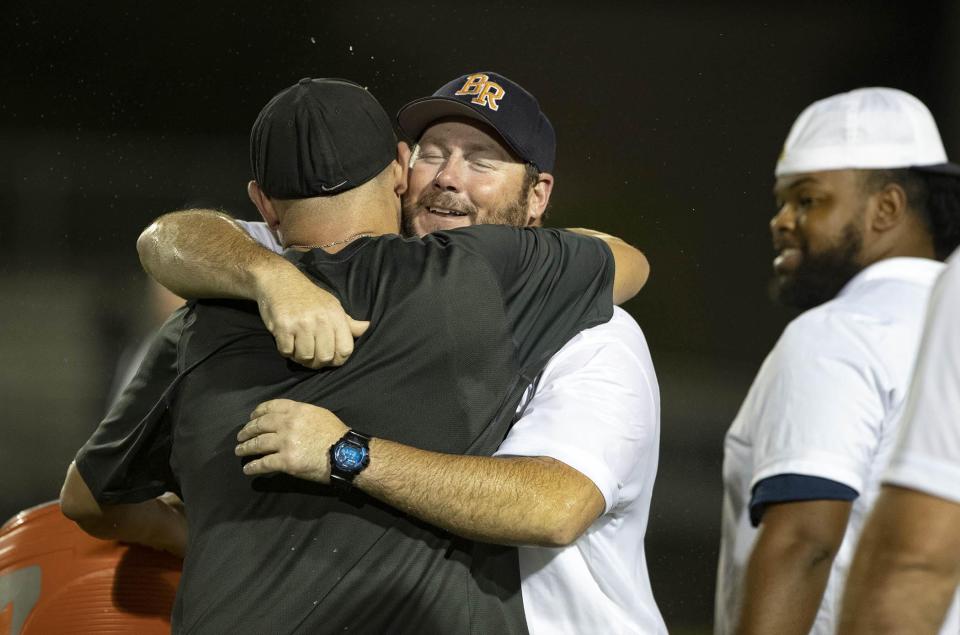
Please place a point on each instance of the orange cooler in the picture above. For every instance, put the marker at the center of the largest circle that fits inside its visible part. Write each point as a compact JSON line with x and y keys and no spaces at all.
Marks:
{"x":56,"y":579}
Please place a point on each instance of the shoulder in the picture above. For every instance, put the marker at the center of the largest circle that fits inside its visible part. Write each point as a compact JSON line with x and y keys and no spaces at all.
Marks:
{"x":835,"y":328}
{"x":621,"y":335}
{"x":617,"y":347}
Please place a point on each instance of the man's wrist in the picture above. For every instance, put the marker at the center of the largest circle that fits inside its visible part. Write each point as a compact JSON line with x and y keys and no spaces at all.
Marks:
{"x":267,"y":273}
{"x":349,"y":457}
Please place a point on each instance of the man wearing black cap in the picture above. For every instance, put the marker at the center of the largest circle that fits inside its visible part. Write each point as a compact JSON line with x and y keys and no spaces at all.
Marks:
{"x":484,"y":154}
{"x":286,"y":554}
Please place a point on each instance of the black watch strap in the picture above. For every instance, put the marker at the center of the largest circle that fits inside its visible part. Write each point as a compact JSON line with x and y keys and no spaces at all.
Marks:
{"x":340,"y":477}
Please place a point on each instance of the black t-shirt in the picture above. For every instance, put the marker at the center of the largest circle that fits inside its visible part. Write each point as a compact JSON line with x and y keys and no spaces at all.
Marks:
{"x":461,"y":323}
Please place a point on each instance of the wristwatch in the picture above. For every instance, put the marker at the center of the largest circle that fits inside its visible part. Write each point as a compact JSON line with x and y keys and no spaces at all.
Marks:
{"x":348,"y":457}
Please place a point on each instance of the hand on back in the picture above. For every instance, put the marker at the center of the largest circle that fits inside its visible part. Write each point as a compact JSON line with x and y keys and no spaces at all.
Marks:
{"x":308,"y":323}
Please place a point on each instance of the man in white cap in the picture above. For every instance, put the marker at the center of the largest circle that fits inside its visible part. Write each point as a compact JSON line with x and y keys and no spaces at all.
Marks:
{"x":907,"y":566}
{"x":866,"y":210}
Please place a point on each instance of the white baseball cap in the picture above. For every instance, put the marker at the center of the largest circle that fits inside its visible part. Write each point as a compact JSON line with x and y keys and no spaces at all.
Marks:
{"x":867,"y":128}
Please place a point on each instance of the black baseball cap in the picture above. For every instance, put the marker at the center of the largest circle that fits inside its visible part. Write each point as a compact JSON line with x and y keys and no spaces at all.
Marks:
{"x":495,"y":100}
{"x":320,"y":137}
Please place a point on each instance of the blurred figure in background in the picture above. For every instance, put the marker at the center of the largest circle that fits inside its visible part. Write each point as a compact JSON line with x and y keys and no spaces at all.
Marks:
{"x":905,"y":573}
{"x":868,"y":206}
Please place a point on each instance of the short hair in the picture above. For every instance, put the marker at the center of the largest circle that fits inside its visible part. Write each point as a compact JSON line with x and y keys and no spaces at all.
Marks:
{"x":935,"y":196}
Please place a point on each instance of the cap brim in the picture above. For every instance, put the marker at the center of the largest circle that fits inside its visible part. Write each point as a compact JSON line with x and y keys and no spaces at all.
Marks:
{"x":951,"y":169}
{"x":417,"y":116}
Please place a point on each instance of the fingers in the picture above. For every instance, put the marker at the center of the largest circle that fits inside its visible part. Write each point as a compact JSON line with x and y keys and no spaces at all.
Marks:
{"x":264,"y":465}
{"x":273,"y":405}
{"x":261,"y":444}
{"x":343,"y":344}
{"x":285,"y":342}
{"x":358,"y":328}
{"x":323,"y":350}
{"x":311,"y":328}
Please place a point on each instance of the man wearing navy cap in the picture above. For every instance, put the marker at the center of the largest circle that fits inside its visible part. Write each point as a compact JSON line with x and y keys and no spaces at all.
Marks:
{"x":432,"y":387}
{"x":577,"y":503}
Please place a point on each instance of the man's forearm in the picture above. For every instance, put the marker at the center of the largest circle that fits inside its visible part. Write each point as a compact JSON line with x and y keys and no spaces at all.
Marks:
{"x":151,"y":523}
{"x":782,"y":590}
{"x":789,"y":566}
{"x":504,"y":500}
{"x":205,"y":254}
{"x":907,"y":566}
{"x":158,"y":523}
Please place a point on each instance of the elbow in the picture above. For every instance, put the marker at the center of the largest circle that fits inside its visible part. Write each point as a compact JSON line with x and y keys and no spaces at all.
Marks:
{"x":642,"y":272}
{"x":147,"y":245}
{"x":630,"y":279}
{"x":559,"y":536}
{"x":562,"y":530}
{"x":77,"y":502}
{"x":814,"y":553}
{"x":89,"y":519}
{"x":79,"y":512}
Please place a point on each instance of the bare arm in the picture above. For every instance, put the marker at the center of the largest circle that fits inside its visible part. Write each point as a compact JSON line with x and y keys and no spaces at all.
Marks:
{"x":205,"y":254}
{"x":906,"y":568}
{"x":159,"y":523}
{"x":789,"y":566}
{"x":632,"y":268}
{"x":505,"y":500}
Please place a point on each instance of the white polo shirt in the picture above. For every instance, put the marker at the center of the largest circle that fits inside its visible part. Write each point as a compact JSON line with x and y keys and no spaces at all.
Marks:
{"x":927,"y":456}
{"x":824,"y":405}
{"x":596,"y":407}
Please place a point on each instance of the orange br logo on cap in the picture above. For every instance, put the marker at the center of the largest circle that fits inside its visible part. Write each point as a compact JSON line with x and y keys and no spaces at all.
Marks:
{"x":487,"y":93}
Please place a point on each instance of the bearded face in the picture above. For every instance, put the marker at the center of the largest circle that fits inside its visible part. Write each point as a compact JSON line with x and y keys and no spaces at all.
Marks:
{"x":819,"y":277}
{"x":818,"y":233}
{"x":462,"y":175}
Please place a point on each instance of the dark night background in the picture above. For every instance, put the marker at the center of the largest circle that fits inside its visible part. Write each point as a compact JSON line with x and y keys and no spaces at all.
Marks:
{"x":669,"y":120}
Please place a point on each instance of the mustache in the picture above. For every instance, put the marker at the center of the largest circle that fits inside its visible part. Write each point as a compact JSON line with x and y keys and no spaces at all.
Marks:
{"x":447,"y":200}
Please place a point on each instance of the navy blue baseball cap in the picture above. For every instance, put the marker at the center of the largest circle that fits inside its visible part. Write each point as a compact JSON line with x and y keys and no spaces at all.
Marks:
{"x":495,"y":100}
{"x":320,"y":137}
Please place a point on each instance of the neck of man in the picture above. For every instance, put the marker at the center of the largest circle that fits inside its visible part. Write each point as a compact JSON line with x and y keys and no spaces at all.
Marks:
{"x":913,"y":244}
{"x":311,"y":226}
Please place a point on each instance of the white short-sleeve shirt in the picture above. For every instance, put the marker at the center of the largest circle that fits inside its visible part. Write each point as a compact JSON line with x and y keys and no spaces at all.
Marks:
{"x":596,"y":408}
{"x":825,"y":405}
{"x":927,"y":456}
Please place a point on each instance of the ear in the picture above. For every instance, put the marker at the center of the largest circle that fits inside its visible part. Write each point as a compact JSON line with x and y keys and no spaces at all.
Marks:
{"x":403,"y":158}
{"x":538,"y":200}
{"x":888,"y":209}
{"x":264,"y":205}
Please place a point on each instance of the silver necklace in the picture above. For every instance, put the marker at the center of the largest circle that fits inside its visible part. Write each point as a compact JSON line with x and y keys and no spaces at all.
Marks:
{"x":339,"y":242}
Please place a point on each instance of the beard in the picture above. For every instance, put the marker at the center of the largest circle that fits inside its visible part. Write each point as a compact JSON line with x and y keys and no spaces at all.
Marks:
{"x":513,"y":212}
{"x":820,"y":277}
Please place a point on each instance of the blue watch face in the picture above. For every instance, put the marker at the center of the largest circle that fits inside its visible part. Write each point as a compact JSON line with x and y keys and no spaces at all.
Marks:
{"x":349,"y":456}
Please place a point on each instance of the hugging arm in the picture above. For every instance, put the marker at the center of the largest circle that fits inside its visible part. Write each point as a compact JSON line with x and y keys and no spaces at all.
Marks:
{"x":504,"y":500}
{"x":159,"y":523}
{"x":206,"y":254}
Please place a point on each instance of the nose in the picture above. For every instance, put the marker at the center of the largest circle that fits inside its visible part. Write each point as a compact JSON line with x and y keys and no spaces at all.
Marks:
{"x":449,"y":176}
{"x":785,"y":220}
